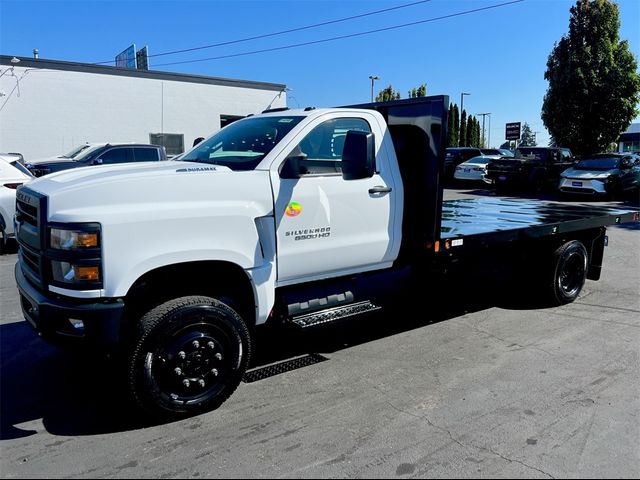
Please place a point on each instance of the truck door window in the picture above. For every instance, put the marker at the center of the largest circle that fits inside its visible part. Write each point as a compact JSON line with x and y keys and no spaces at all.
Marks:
{"x":320,"y":151}
{"x":143,"y":154}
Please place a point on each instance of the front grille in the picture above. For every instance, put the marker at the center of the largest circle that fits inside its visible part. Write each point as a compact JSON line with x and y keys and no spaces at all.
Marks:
{"x":30,"y":215}
{"x":589,"y":191}
{"x":31,"y":259}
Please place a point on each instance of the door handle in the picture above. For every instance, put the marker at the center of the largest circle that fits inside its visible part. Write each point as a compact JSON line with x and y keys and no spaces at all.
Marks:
{"x":379,"y":189}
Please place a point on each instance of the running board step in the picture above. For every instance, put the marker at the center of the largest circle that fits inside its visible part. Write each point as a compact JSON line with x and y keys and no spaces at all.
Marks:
{"x":332,"y":314}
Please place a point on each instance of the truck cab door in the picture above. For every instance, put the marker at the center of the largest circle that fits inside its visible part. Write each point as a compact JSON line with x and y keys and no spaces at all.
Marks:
{"x":326,"y":225}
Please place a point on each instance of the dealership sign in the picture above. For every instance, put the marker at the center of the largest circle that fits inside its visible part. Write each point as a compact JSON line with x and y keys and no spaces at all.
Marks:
{"x":127,"y":58}
{"x":512,"y":131}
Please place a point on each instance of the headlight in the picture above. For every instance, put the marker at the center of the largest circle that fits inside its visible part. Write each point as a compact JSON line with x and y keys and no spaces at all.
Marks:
{"x":62,"y":239}
{"x":66,"y":272}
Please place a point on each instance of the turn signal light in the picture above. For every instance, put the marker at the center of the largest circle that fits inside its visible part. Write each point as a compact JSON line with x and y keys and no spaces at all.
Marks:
{"x":87,"y":274}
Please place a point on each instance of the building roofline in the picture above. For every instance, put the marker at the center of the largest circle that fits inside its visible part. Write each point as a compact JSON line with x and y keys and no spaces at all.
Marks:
{"x":27,"y":62}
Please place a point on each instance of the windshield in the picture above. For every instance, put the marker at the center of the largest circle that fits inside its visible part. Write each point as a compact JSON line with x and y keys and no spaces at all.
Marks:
{"x":243,"y":144}
{"x":86,"y":152}
{"x":534,"y":153}
{"x":598,"y":164}
{"x":75,"y":151}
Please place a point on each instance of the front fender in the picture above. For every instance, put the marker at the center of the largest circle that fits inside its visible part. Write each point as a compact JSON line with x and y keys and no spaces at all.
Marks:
{"x":135,"y":249}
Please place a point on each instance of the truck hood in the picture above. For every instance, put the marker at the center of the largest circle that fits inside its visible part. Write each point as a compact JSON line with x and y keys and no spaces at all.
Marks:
{"x":39,"y":161}
{"x":101,"y":193}
{"x":590,"y":174}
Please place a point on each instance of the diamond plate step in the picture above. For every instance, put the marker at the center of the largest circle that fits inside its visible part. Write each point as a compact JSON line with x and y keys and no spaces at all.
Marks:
{"x":332,"y":314}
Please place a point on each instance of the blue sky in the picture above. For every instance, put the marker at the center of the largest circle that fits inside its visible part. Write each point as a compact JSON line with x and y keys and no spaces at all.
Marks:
{"x":498,"y":55}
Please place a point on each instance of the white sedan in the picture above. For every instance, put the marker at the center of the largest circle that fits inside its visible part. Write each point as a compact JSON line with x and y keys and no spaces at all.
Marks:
{"x":12,"y":175}
{"x":474,"y":169}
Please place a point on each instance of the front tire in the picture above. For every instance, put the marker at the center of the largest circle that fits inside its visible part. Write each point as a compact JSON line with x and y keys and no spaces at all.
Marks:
{"x":188,"y":356}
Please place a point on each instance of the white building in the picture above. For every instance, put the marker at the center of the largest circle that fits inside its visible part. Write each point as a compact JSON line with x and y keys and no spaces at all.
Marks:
{"x":47,"y":107}
{"x":630,"y":140}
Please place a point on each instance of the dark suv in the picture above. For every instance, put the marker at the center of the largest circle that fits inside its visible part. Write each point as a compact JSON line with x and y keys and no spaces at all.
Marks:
{"x":532,"y":168}
{"x":108,"y":154}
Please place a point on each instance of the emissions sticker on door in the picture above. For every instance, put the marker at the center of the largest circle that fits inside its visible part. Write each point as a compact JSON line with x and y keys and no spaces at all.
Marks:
{"x":293,"y":209}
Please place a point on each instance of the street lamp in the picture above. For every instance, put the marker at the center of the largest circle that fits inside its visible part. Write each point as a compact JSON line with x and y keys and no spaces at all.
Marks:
{"x":461,"y":109}
{"x":373,"y":79}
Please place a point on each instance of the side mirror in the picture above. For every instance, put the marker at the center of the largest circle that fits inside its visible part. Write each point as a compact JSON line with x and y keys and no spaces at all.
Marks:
{"x":358,"y":156}
{"x":97,"y":161}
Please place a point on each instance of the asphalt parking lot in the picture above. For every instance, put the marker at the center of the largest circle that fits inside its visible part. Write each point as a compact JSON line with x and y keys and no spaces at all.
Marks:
{"x":466,"y":389}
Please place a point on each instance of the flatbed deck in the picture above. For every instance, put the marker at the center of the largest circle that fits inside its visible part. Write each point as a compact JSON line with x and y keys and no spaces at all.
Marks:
{"x":509,"y":219}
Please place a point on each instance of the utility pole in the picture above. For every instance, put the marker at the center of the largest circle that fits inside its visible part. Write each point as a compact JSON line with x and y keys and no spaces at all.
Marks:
{"x":483,"y":115}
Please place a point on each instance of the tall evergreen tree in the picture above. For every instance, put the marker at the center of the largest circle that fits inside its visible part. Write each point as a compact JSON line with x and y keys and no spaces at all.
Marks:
{"x":455,"y":138}
{"x":527,"y":137}
{"x":387,"y":94}
{"x":450,"y":127}
{"x":463,"y":129}
{"x":594,"y":85}
{"x":469,"y":133}
{"x":479,"y":138}
{"x":476,"y":133}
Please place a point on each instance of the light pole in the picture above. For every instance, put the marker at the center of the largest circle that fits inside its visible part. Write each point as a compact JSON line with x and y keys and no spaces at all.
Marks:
{"x":483,"y":115}
{"x":461,"y":109}
{"x":373,"y":79}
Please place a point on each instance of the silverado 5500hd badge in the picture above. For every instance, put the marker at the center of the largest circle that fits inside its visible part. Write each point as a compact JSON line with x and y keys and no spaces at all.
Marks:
{"x":309,"y":233}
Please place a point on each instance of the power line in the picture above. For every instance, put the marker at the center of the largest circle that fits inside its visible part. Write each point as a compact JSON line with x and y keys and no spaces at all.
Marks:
{"x":266,"y":35}
{"x":342,"y":37}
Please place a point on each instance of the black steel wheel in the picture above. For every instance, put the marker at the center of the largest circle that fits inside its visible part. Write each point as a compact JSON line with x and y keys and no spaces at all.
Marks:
{"x":569,"y":272}
{"x":189,"y":356}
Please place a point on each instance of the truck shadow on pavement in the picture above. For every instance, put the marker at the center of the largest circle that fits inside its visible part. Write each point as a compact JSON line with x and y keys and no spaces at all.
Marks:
{"x":79,"y":393}
{"x":74,"y":393}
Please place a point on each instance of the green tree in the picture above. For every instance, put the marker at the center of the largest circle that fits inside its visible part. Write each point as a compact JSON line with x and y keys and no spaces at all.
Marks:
{"x":469,"y":133}
{"x":420,"y":91}
{"x":450,"y":127}
{"x":527,"y":137}
{"x":463,"y":130}
{"x":388,"y":94}
{"x":455,"y":138}
{"x":594,"y":85}
{"x":478,"y":135}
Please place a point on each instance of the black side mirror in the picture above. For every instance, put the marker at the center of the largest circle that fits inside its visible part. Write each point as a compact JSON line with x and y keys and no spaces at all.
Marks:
{"x":97,"y":161}
{"x":358,"y":156}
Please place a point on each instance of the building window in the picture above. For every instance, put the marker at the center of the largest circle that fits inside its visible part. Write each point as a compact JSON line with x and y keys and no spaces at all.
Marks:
{"x":227,"y":119}
{"x":173,"y":143}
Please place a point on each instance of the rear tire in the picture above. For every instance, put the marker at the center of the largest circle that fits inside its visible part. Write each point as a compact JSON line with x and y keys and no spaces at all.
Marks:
{"x":188,"y":356}
{"x":567,"y":274}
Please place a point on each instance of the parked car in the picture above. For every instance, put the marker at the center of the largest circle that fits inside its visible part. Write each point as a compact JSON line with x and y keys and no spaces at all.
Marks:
{"x":106,"y":154}
{"x":12,"y":175}
{"x":532,"y":168}
{"x":474,"y":169}
{"x":609,"y":174}
{"x":455,"y":156}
